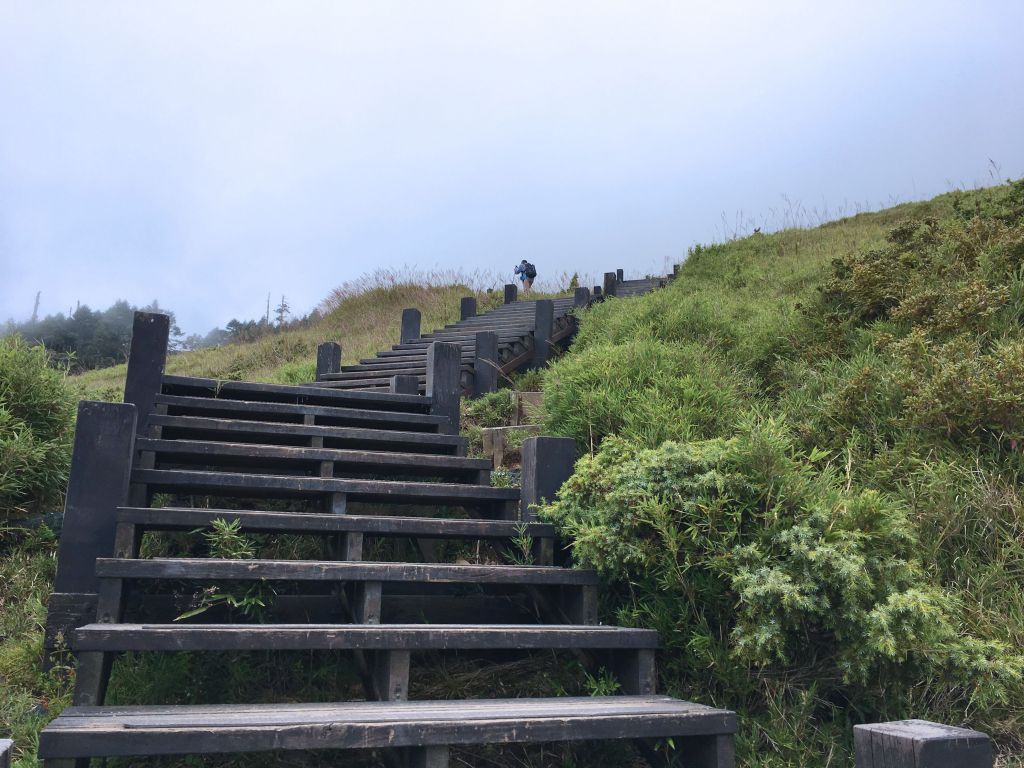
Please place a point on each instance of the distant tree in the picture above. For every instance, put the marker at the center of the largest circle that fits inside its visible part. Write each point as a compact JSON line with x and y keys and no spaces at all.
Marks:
{"x":282,"y":312}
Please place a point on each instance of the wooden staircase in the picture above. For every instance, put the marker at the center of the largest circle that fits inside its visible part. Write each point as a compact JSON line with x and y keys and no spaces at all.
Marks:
{"x":355,"y":468}
{"x":515,"y":336}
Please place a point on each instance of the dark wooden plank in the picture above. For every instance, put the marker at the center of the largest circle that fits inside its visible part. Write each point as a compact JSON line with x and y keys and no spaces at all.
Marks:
{"x":253,"y":410}
{"x":410,"y":637}
{"x":181,"y":518}
{"x":287,"y":393}
{"x":191,"y":481}
{"x":243,"y":454}
{"x":271,"y":432}
{"x":113,"y":731}
{"x":410,"y":324}
{"x":193,"y":569}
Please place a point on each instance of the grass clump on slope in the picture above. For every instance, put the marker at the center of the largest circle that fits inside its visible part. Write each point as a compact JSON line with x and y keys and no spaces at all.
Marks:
{"x":803,"y":467}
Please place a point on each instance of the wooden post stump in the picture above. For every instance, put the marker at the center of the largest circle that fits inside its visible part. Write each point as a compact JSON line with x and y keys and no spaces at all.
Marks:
{"x":444,"y":363}
{"x":609,"y":283}
{"x":410,"y":325}
{"x":328,"y":358}
{"x":544,"y":323}
{"x":920,"y":744}
{"x":581,"y":298}
{"x":485,"y":363}
{"x":467,"y":307}
{"x":619,"y":275}
{"x":405,"y":384}
{"x":511,"y":293}
{"x":147,"y":357}
{"x":547,"y":463}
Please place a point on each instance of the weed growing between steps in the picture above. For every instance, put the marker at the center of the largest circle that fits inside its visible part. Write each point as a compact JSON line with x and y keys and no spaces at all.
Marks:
{"x":804,"y":463}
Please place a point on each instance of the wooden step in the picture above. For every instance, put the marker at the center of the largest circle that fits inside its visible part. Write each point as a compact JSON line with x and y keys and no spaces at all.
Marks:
{"x":196,"y":729}
{"x":396,"y":371}
{"x":276,"y":433}
{"x":206,"y":453}
{"x":411,"y":637}
{"x":286,"y":393}
{"x":252,"y":410}
{"x":501,"y":500}
{"x":204,"y":569}
{"x":314,"y":523}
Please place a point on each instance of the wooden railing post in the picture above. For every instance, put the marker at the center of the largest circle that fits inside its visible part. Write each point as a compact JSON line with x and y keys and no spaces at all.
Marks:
{"x":410,"y":325}
{"x":467,"y":307}
{"x":543,"y":327}
{"x":485,"y":363}
{"x":511,"y":293}
{"x":581,"y":298}
{"x":100,"y":472}
{"x":609,"y":283}
{"x":920,"y":744}
{"x":619,"y":274}
{"x":547,"y":462}
{"x":147,"y":357}
{"x":597,"y":292}
{"x":328,"y":358}
{"x":405,"y":384}
{"x":444,"y":363}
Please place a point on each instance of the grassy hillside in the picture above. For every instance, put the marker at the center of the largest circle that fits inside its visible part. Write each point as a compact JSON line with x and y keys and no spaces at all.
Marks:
{"x":803,"y":465}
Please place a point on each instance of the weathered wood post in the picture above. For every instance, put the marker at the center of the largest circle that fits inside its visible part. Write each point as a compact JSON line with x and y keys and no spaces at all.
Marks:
{"x":100,"y":471}
{"x":467,"y":307}
{"x":543,"y":327}
{"x":444,"y":363}
{"x":511,"y":293}
{"x":581,"y":298}
{"x":425,"y":757}
{"x":328,"y":358}
{"x":147,"y":357}
{"x":609,"y":283}
{"x":619,"y":274}
{"x":485,"y":363}
{"x":920,"y":744}
{"x":547,"y":462}
{"x":597,"y":292}
{"x":405,"y":384}
{"x":410,"y":325}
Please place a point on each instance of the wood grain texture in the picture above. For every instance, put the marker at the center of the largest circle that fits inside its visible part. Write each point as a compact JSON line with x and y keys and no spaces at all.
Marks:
{"x":112,"y":731}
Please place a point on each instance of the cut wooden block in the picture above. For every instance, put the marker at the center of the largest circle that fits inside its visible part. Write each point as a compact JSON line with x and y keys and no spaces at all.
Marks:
{"x":920,"y":744}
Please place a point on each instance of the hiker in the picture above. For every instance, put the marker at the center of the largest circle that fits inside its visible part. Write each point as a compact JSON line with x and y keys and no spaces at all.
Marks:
{"x":527,"y":272}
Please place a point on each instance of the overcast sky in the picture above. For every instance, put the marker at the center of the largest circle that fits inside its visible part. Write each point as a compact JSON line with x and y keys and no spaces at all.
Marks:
{"x":207,"y":153}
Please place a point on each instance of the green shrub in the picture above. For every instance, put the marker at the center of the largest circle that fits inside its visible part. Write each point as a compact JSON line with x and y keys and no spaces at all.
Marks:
{"x":753,"y":558}
{"x":36,"y":419}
